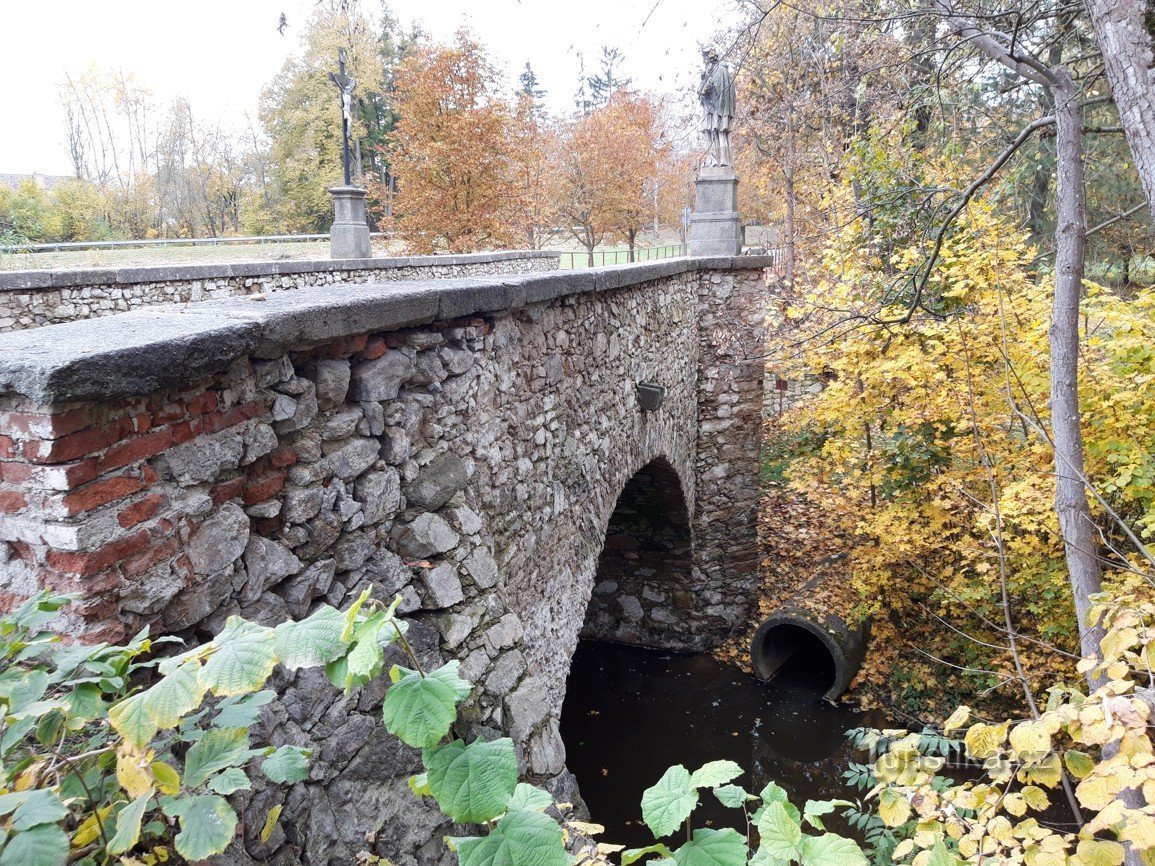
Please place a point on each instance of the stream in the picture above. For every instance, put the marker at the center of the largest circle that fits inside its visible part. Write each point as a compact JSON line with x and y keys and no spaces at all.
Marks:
{"x":630,"y":713}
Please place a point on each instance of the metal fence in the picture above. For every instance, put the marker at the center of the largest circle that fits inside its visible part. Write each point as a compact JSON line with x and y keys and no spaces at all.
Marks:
{"x":168,"y":242}
{"x":600,"y":258}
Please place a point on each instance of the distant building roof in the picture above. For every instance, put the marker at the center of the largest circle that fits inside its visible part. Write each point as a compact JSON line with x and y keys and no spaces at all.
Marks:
{"x":44,"y":181}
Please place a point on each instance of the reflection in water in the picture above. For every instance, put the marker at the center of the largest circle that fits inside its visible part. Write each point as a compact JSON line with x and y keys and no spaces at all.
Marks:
{"x":630,"y":713}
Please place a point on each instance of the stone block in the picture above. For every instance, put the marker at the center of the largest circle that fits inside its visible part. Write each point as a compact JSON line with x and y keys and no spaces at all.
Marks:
{"x":220,"y":540}
{"x":333,"y":375}
{"x":381,"y":378}
{"x":436,"y":483}
{"x":442,"y":587}
{"x":267,"y":563}
{"x":426,"y":535}
{"x":351,"y":460}
{"x":379,"y":494}
{"x":204,"y":458}
{"x":481,"y":567}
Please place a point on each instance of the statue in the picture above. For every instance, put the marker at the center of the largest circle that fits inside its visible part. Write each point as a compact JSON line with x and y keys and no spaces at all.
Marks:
{"x":345,"y":83}
{"x":716,"y":94}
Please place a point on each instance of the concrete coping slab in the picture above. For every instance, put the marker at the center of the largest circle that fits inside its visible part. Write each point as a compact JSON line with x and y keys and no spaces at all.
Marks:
{"x":137,"y":353}
{"x":22,"y":281}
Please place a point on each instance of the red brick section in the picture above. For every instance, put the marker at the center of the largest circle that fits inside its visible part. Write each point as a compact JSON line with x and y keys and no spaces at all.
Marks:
{"x":101,"y":492}
{"x":93,"y":459}
{"x":11,"y":501}
{"x":79,"y":562}
{"x":140,"y":511}
{"x":261,"y":488}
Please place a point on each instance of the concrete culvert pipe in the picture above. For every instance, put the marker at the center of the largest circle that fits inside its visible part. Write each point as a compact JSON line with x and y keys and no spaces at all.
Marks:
{"x":823,"y":635}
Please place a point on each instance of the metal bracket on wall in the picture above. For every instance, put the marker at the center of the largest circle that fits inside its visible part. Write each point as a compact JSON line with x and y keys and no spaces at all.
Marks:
{"x":650,"y":396}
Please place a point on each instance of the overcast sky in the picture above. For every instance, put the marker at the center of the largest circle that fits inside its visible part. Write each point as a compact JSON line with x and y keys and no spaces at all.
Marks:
{"x":220,"y":53}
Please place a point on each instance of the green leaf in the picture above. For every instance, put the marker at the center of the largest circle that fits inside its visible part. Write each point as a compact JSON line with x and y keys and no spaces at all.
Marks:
{"x":85,"y":704}
{"x":779,"y":832}
{"x":713,"y":848}
{"x":668,"y":803}
{"x":831,"y":850}
{"x":313,"y":641}
{"x":242,"y":712}
{"x":421,"y":710}
{"x":132,"y":721}
{"x":27,"y":691}
{"x":472,"y":783}
{"x":715,"y":773}
{"x":419,"y":785}
{"x":733,"y":796}
{"x":287,"y":764}
{"x":814,"y":808}
{"x":351,"y":616}
{"x":229,"y":781}
{"x":940,"y":855}
{"x":773,"y":793}
{"x":43,"y":845}
{"x":242,"y":659}
{"x":207,"y":825}
{"x":128,"y":825}
{"x":32,"y":807}
{"x":366,"y":657}
{"x":528,"y":798}
{"x":519,"y":839}
{"x":633,"y":855}
{"x":762,"y":857}
{"x":217,"y":749}
{"x":175,"y":696}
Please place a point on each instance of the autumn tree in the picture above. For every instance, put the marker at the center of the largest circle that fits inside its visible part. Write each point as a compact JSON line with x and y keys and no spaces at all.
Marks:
{"x":450,"y":149}
{"x":605,"y":170}
{"x":528,"y":210}
{"x":301,"y":113}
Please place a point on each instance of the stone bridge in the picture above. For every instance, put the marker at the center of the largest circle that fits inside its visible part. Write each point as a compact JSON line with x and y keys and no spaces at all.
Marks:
{"x":474,"y":444}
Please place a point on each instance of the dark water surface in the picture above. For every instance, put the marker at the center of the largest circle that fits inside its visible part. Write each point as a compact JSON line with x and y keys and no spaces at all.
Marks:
{"x":630,"y":713}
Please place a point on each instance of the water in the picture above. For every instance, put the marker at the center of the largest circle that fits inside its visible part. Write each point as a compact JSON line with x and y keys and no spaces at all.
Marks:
{"x":630,"y":713}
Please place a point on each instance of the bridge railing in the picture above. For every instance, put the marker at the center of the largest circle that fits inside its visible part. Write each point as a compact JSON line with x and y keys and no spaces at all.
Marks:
{"x":600,"y":258}
{"x":167,"y":242}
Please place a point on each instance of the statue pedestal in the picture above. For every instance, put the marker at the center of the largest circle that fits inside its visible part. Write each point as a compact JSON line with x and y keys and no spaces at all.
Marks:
{"x":349,"y":237}
{"x":715,"y":228}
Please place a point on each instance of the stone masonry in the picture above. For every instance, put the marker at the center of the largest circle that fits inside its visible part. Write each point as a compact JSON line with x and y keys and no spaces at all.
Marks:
{"x":462,"y":443}
{"x":30,"y":299}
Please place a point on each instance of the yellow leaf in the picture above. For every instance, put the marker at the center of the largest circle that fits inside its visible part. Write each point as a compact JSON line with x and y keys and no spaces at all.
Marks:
{"x":167,"y":779}
{"x":1031,"y":740}
{"x":133,"y":771}
{"x":893,"y":808}
{"x":1094,"y":793}
{"x":1139,"y":829}
{"x":957,"y":719}
{"x":1098,"y":852}
{"x":1036,"y":798}
{"x":1015,"y":804}
{"x":985,"y":741}
{"x":1048,"y":771}
{"x":270,"y":823}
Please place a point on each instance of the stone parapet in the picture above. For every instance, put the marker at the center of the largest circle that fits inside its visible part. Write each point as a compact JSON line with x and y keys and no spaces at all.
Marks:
{"x":143,"y":351}
{"x":30,"y":299}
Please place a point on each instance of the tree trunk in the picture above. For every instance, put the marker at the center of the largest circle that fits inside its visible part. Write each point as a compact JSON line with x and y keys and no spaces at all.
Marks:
{"x":790,"y":193}
{"x":1071,"y":505}
{"x":1129,"y":54}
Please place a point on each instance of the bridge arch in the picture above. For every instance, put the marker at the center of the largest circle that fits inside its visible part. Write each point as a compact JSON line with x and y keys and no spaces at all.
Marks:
{"x":644,"y":583}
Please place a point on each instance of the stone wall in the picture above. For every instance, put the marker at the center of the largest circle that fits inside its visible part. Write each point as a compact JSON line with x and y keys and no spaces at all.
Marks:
{"x":460,"y":443}
{"x":30,"y":299}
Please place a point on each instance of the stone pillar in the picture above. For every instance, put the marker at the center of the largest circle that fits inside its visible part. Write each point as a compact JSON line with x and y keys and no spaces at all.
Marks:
{"x":349,"y":237}
{"x":732,"y":347}
{"x":715,"y":229}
